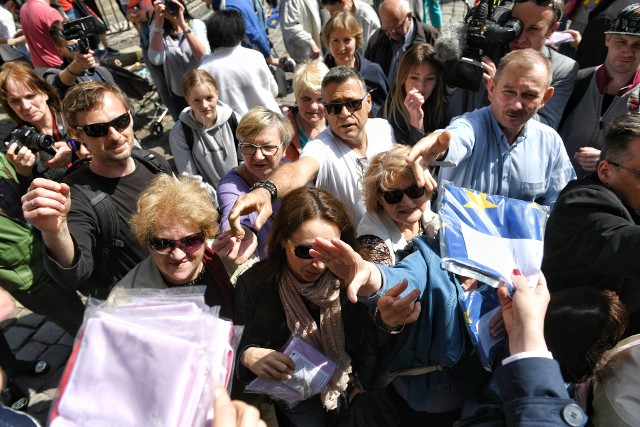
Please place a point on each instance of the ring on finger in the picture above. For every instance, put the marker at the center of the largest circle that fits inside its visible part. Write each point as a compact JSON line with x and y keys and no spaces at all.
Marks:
{"x":33,"y":205}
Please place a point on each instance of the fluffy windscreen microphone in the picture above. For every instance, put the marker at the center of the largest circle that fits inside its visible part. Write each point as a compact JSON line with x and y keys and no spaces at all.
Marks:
{"x":450,"y":45}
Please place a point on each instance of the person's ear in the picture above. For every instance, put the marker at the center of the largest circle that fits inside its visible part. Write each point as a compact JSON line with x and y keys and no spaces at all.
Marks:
{"x":491,"y":87}
{"x":604,"y":171}
{"x":607,"y":39}
{"x":547,"y":96}
{"x":553,"y":29}
{"x":369,"y":103}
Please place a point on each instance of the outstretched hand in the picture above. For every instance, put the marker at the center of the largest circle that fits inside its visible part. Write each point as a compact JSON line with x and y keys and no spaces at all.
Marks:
{"x":523,"y":314}
{"x":363,"y":278}
{"x":396,"y":311}
{"x":234,"y":249}
{"x":424,"y":153}
{"x":258,"y":200}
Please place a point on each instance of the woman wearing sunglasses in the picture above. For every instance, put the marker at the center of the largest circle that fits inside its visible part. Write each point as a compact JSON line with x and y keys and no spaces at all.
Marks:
{"x":32,"y":102}
{"x":176,"y":229}
{"x":343,"y":35}
{"x":264,"y":137}
{"x":397,"y":209}
{"x":416,"y":105}
{"x":291,"y":293}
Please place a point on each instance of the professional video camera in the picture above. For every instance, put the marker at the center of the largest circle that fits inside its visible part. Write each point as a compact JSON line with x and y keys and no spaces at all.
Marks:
{"x":80,"y":29}
{"x":489,"y":28}
{"x":29,"y":137}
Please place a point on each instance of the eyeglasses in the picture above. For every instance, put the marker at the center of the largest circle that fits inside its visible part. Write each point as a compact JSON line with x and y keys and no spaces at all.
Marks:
{"x":72,"y":47}
{"x":302,"y":251}
{"x":95,"y":130}
{"x":74,"y":144}
{"x":352,"y":106}
{"x":618,"y":165}
{"x":188,"y":244}
{"x":397,"y":30}
{"x":544,"y":3}
{"x":250,"y":149}
{"x":394,"y":196}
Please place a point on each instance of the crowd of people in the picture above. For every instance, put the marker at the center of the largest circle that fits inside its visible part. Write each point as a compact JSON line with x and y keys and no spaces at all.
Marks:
{"x":321,"y":222}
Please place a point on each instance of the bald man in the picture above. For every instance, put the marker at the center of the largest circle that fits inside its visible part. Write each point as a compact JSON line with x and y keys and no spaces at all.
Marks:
{"x":399,"y":30}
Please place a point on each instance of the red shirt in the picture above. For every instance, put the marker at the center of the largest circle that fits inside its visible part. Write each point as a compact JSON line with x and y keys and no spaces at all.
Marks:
{"x":36,"y":16}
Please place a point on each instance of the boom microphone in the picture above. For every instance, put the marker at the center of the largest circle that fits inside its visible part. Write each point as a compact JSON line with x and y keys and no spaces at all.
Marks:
{"x":450,"y":45}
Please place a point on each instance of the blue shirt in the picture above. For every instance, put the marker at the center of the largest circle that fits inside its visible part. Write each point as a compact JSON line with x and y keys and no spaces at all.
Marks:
{"x":535,"y":167}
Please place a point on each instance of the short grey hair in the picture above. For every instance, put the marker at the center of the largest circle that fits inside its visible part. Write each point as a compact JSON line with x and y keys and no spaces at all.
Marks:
{"x":341,"y":74}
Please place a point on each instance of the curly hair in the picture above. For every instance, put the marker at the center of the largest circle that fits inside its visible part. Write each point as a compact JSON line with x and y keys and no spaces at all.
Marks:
{"x":384,"y":170}
{"x":173,"y":200}
{"x":301,"y":205}
{"x":20,"y":73}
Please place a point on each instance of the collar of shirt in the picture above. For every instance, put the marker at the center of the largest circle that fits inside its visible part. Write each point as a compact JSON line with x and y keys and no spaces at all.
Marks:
{"x":603,"y":78}
{"x":499,"y":134}
{"x":409,"y":36}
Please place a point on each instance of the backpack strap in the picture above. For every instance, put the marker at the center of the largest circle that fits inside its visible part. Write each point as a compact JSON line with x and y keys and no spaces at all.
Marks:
{"x":188,"y":134}
{"x":150,"y":160}
{"x":233,"y":124}
{"x":108,"y":230}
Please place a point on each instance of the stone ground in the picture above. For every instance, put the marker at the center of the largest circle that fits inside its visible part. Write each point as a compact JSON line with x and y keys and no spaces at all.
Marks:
{"x":31,"y":336}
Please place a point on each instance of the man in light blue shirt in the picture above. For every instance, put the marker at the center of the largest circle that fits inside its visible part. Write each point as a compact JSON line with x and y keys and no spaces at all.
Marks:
{"x":499,"y":149}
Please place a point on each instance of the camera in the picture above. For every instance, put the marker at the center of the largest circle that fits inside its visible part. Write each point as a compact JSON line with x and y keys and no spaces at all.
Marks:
{"x":80,"y":29}
{"x":489,"y":29}
{"x":171,"y":7}
{"x":29,"y":137}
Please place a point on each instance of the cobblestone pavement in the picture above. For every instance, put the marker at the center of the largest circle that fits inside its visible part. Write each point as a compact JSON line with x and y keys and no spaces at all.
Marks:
{"x":31,"y":336}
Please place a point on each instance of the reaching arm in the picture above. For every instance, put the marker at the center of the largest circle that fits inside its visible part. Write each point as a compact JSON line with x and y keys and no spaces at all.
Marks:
{"x":286,"y":178}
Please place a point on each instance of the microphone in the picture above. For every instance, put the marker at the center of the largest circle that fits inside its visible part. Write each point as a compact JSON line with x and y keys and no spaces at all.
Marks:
{"x":450,"y":45}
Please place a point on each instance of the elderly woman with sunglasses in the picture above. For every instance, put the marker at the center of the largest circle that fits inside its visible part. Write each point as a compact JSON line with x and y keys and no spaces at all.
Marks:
{"x":176,"y":229}
{"x":289,"y":292}
{"x":397,"y":209}
{"x":34,"y":104}
{"x":264,"y":136}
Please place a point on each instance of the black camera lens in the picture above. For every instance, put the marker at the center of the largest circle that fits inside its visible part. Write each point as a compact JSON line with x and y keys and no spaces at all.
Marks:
{"x":171,"y":7}
{"x":34,"y":141}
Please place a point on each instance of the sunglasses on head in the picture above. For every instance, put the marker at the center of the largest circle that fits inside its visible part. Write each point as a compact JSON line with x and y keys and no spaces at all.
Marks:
{"x":335,"y":108}
{"x":188,"y":244}
{"x":95,"y":130}
{"x":394,"y":196}
{"x":302,"y":251}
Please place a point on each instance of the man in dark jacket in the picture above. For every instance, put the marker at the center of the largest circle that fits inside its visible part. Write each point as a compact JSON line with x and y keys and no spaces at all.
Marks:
{"x":593,"y":234}
{"x":399,"y":31}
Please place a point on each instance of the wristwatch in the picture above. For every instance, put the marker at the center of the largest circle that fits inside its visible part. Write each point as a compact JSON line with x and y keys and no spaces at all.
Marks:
{"x":377,"y":320}
{"x":269,"y":186}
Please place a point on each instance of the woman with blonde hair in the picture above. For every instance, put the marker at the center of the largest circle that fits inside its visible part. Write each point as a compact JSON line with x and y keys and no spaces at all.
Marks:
{"x":343,"y":36}
{"x":415,"y":106}
{"x":264,"y":136}
{"x":174,"y":218}
{"x":203,"y":141}
{"x":307,"y":116}
{"x":397,"y":209}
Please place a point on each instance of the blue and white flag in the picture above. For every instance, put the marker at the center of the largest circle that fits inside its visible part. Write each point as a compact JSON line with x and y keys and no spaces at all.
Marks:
{"x":488,"y":237}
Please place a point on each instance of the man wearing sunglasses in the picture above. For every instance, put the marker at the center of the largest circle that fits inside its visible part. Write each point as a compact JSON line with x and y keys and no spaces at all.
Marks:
{"x":73,"y":230}
{"x":77,"y":67}
{"x":499,"y":149}
{"x":539,"y":18}
{"x":592,"y":237}
{"x":335,"y":160}
{"x":399,"y":30}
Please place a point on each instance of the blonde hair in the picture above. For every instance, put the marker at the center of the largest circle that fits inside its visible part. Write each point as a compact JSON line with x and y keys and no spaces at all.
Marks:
{"x":343,"y":21}
{"x":180,"y":200}
{"x":195,"y":78}
{"x":308,"y":76}
{"x":384,"y":170}
{"x":259,"y":118}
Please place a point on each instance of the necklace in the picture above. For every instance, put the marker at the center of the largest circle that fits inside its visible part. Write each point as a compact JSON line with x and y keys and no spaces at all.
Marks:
{"x":191,"y":283}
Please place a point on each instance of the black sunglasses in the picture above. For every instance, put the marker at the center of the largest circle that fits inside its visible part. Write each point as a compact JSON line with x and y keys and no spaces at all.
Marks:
{"x":394,"y":196}
{"x":545,"y":3}
{"x":302,"y":251}
{"x":335,"y":108}
{"x":95,"y":130}
{"x":188,"y":244}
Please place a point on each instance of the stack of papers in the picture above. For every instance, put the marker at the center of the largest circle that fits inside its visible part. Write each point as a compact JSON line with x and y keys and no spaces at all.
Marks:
{"x":150,"y":359}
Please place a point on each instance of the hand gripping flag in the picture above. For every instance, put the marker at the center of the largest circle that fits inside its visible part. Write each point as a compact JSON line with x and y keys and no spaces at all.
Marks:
{"x":487,"y":237}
